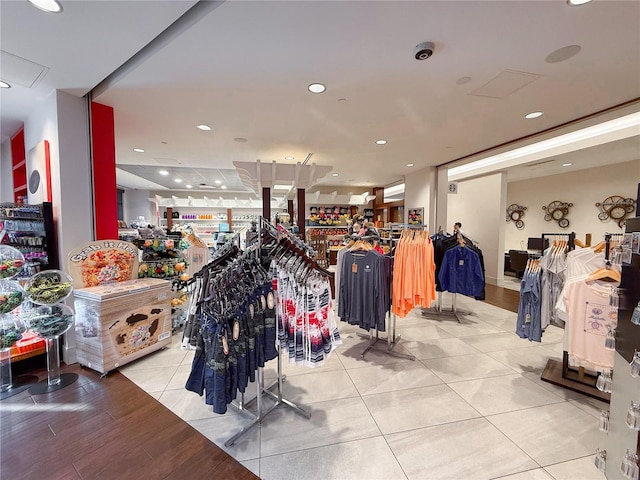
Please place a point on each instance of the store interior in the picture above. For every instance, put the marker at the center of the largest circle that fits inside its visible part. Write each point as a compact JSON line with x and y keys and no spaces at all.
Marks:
{"x":222,"y":117}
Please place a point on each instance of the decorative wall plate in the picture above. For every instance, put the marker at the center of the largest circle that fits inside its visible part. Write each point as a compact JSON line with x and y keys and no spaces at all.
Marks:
{"x":616,"y":208}
{"x":515,"y":213}
{"x":558,"y":212}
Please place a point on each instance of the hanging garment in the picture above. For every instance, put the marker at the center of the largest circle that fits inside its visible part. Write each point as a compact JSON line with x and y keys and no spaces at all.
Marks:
{"x":589,"y":317}
{"x":413,"y":273}
{"x":553,"y":264}
{"x":306,"y":325}
{"x":364,"y":297}
{"x":528,"y":323}
{"x":461,"y":272}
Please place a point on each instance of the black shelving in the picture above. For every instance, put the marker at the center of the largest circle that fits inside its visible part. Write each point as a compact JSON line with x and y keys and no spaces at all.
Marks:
{"x":13,"y":212}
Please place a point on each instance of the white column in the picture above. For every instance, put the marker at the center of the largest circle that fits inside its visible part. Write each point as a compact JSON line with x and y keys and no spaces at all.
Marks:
{"x":62,"y":119}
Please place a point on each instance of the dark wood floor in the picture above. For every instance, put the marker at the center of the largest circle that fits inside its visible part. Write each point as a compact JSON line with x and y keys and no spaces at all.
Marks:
{"x":104,"y":429}
{"x":502,"y":297}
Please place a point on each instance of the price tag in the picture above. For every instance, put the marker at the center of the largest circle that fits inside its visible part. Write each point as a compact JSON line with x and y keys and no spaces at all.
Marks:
{"x":354,"y":268}
{"x":527,"y":319}
{"x":461,"y":262}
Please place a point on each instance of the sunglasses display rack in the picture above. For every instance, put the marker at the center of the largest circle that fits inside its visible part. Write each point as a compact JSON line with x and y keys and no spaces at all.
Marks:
{"x":620,"y":446}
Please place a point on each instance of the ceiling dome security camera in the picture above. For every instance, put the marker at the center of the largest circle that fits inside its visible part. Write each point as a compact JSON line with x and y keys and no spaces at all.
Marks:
{"x":424,"y":50}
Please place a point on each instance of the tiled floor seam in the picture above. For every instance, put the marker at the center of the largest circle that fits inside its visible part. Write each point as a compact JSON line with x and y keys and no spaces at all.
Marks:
{"x":385,"y":439}
{"x":477,"y":378}
{"x":514,"y":473}
{"x":315,"y":447}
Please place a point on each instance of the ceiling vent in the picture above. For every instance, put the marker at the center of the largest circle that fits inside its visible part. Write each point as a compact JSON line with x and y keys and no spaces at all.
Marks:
{"x":540,"y":163}
{"x":20,"y":71}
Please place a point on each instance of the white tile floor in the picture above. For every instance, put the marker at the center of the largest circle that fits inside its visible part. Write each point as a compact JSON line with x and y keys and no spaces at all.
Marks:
{"x":470,"y":407}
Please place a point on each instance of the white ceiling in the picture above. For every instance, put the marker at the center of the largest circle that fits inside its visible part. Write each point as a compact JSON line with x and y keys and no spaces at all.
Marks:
{"x":245,"y":67}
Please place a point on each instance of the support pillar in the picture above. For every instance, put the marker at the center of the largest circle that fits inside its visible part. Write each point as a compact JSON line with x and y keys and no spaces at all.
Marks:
{"x":302,"y":208}
{"x":266,"y":203}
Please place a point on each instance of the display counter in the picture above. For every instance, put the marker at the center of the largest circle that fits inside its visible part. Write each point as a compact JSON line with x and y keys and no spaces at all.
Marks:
{"x":121,"y":322}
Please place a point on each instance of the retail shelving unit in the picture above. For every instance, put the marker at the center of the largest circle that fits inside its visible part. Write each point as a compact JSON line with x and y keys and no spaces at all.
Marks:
{"x":30,"y":229}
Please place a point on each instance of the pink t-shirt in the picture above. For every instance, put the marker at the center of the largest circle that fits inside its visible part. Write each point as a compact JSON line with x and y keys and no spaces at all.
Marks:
{"x":588,"y":318}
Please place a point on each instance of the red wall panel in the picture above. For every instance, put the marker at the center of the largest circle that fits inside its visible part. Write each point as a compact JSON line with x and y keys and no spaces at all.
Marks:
{"x":104,"y":171}
{"x":19,"y":166}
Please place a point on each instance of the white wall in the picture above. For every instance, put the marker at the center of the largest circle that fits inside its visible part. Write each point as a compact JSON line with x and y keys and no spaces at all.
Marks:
{"x":136,"y":203}
{"x":583,"y":188}
{"x":6,"y":172}
{"x":419,"y":192}
{"x":62,"y":119}
{"x":480,"y":205}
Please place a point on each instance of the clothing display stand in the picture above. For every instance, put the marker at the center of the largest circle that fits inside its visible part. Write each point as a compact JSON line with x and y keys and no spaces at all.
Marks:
{"x":261,"y":390}
{"x":559,"y":372}
{"x":454,"y":312}
{"x":392,"y":340}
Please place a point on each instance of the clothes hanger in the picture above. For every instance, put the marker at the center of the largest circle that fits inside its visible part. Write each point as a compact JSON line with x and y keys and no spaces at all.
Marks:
{"x":605,"y":273}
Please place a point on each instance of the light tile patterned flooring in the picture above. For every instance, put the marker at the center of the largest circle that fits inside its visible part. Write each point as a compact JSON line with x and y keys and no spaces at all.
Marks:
{"x":471,"y":407}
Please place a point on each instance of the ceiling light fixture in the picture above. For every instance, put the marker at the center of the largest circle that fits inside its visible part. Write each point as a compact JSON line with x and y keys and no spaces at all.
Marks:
{"x":218,"y":182}
{"x":139,"y":150}
{"x":4,"y":84}
{"x":533,"y":115}
{"x":316,"y":88}
{"x":567,"y":164}
{"x":281,"y":187}
{"x":289,"y":158}
{"x":163,"y":172}
{"x":538,"y":149}
{"x":409,"y":165}
{"x":381,"y":142}
{"x":188,"y":186}
{"x":177,"y":180}
{"x":204,"y":127}
{"x":334,"y":174}
{"x":240,"y":140}
{"x":51,"y":6}
{"x":577,"y":3}
{"x":223,"y":187}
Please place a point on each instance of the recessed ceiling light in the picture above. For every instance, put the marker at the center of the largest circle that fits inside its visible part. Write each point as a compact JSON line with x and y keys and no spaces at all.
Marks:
{"x":240,"y":140}
{"x":177,"y":180}
{"x":381,"y":142}
{"x":204,"y":127}
{"x":289,"y":158}
{"x":533,"y":115}
{"x":567,"y":164}
{"x":224,"y":187}
{"x":218,"y":182}
{"x":189,"y":186}
{"x":281,"y":187}
{"x":316,"y":88}
{"x":163,"y":172}
{"x":463,"y":80}
{"x":334,"y":174}
{"x":139,"y":150}
{"x":4,"y":84}
{"x":577,"y":3}
{"x":409,"y":165}
{"x":51,"y":6}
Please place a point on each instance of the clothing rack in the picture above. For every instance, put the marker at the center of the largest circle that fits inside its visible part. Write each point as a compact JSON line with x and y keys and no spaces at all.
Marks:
{"x":296,"y":241}
{"x":260,"y":388}
{"x":561,"y":373}
{"x":454,"y":312}
{"x":392,"y":341}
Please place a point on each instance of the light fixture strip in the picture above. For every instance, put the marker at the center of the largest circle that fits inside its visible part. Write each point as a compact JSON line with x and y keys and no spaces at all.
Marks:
{"x":589,"y":132}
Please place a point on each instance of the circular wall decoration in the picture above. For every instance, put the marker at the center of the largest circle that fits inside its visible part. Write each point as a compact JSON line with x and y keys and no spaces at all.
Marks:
{"x":515,"y":213}
{"x":616,"y":208}
{"x":558,"y":212}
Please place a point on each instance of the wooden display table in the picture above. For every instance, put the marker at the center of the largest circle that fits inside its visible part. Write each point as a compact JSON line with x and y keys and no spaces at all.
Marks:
{"x":121,"y":322}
